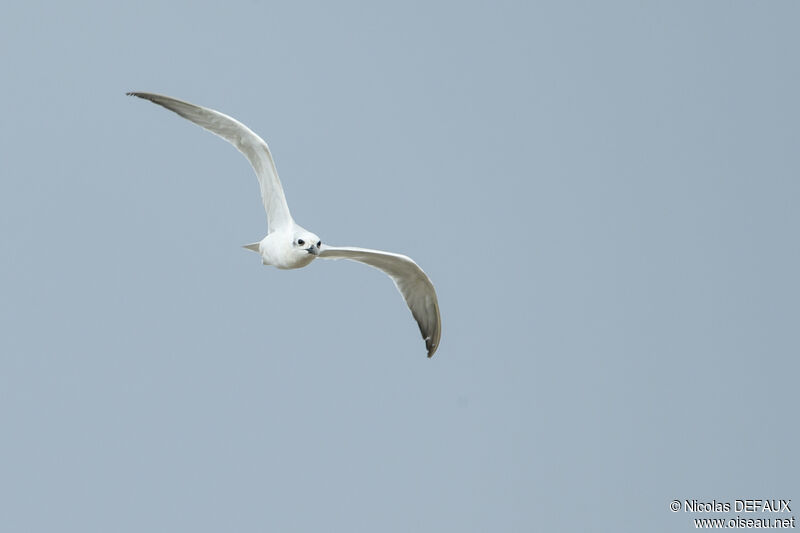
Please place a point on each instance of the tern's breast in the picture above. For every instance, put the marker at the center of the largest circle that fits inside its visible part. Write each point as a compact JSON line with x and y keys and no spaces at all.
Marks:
{"x":286,"y":259}
{"x":294,"y":262}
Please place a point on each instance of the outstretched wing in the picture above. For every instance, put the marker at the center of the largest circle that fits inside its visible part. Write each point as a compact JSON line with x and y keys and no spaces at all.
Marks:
{"x":410,"y":280}
{"x":251,"y":145}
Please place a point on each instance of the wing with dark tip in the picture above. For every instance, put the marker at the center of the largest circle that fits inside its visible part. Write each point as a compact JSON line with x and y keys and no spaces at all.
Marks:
{"x":251,"y":145}
{"x":410,"y":280}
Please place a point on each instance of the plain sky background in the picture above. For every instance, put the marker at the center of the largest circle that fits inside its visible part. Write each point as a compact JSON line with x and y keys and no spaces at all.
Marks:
{"x":605,"y":195}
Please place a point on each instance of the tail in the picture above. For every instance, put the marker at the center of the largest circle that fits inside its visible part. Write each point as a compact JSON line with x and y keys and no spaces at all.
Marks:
{"x":253,"y":247}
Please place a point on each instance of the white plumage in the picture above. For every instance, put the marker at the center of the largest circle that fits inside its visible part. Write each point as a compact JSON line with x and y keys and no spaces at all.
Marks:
{"x":287,"y":244}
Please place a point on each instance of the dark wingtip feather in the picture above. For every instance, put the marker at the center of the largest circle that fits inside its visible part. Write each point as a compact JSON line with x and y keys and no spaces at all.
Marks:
{"x":431,"y":348}
{"x":143,"y":96}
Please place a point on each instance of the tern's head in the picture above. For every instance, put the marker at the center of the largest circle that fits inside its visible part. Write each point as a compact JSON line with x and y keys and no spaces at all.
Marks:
{"x":305,"y":242}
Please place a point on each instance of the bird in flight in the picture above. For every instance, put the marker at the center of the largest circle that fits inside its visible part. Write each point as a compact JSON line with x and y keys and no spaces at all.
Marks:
{"x":289,"y":245}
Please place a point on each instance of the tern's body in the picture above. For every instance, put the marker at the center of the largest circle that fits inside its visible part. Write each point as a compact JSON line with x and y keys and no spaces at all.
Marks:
{"x":288,"y":245}
{"x":293,"y":247}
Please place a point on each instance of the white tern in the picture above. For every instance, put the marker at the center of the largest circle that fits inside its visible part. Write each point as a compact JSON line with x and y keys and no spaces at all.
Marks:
{"x":287,"y":244}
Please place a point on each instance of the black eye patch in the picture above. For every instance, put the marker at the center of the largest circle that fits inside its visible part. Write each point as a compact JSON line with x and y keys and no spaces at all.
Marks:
{"x":301,"y":242}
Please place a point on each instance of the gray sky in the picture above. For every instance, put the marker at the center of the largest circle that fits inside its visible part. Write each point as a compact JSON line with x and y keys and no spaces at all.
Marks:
{"x":604,"y":194}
